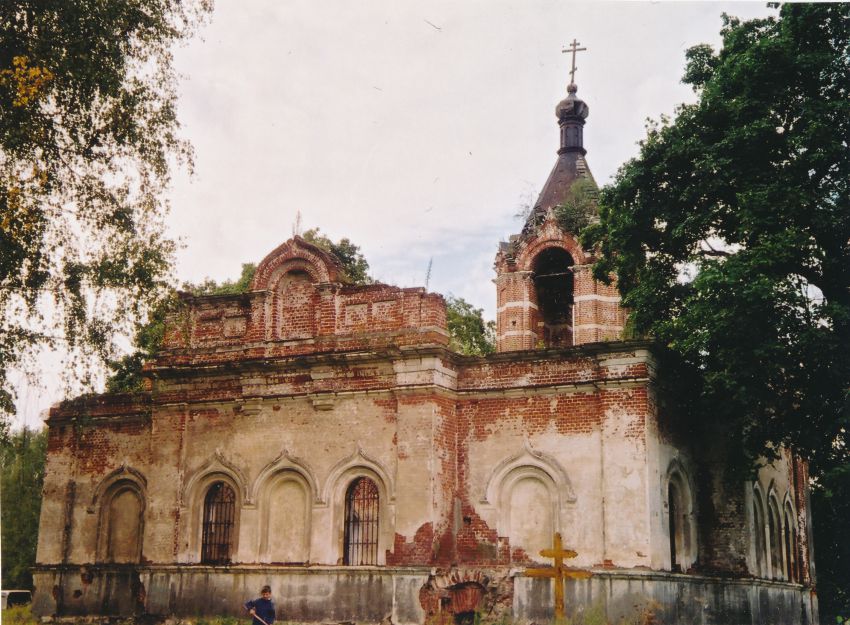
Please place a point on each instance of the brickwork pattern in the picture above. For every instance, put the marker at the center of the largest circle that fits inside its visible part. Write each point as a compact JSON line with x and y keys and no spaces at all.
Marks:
{"x":596,"y":312}
{"x":356,"y":379}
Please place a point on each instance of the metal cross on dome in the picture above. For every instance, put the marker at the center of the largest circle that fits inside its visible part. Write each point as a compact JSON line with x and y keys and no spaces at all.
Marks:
{"x":574,"y":47}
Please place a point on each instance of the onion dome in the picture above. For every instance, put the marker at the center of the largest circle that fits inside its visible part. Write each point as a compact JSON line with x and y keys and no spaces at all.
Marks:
{"x":571,"y":164}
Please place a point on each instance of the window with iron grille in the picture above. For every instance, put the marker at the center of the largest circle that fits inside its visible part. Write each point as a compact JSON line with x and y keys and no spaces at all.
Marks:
{"x":219,"y":514}
{"x":361,"y":523}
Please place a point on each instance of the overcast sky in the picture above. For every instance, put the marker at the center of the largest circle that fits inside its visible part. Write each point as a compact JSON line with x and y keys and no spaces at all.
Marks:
{"x":416,"y":129}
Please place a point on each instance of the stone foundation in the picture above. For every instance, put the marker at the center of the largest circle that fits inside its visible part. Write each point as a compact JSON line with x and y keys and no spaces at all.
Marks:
{"x":371,"y":594}
{"x":663,"y":598}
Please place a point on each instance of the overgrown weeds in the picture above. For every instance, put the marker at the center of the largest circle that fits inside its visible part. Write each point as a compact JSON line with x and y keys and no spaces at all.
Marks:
{"x":19,"y":615}
{"x":593,"y":615}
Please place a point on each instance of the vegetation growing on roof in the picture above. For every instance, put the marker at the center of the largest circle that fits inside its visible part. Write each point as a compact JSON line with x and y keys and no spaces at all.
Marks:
{"x":354,"y":265}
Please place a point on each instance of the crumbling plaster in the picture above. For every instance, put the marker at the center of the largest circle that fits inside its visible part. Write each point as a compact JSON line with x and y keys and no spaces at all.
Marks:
{"x":476,"y":460}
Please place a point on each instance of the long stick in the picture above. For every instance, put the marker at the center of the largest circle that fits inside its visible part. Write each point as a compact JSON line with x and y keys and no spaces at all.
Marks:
{"x":259,"y":618}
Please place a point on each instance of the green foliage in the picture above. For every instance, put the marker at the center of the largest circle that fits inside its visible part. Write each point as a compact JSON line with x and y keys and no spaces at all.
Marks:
{"x":219,"y":620}
{"x":354,"y":265}
{"x":19,"y":615}
{"x":730,"y":235}
{"x":830,"y":499}
{"x":22,"y":456}
{"x":228,"y":287}
{"x":578,"y":209}
{"x":126,"y":372}
{"x":469,"y":334}
{"x":87,"y":141}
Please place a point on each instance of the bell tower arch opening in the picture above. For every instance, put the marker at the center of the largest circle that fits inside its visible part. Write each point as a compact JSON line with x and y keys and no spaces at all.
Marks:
{"x":553,"y":288}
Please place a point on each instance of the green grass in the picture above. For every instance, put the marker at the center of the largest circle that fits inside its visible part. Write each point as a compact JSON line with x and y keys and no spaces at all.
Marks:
{"x":19,"y":615}
{"x":595,"y":615}
{"x":219,"y":620}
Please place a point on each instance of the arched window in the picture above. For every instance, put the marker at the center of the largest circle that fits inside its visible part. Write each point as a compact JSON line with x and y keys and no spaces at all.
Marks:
{"x":790,"y":546}
{"x":674,"y":512}
{"x":122,"y":524}
{"x":553,"y":285}
{"x":758,"y":535}
{"x":775,"y":535}
{"x":218,"y":522}
{"x":361,"y":523}
{"x":798,"y":565}
{"x":680,"y":520}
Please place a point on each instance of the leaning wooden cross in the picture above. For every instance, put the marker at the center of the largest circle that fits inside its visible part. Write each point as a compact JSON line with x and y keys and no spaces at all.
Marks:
{"x":559,"y":572}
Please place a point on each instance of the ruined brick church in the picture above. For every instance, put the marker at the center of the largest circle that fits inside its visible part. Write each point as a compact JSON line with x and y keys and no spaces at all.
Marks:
{"x":322,"y":438}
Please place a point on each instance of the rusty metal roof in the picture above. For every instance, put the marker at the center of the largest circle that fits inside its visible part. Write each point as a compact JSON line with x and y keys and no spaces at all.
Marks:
{"x":571,"y":164}
{"x":569,"y":167}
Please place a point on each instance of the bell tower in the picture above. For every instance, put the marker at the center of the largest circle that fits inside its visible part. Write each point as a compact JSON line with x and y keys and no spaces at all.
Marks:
{"x":545,"y":292}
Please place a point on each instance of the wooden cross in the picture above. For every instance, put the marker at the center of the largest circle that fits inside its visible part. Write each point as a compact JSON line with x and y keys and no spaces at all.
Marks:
{"x":574,"y":47}
{"x":559,"y":572}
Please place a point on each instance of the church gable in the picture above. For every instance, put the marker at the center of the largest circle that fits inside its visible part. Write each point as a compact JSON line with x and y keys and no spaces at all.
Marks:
{"x":298,"y":304}
{"x":296,"y":259}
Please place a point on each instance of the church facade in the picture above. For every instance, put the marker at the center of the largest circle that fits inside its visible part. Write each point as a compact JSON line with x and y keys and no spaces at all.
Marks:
{"x":322,"y":438}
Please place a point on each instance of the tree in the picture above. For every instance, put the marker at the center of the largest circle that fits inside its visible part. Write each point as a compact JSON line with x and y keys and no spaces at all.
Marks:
{"x":579,"y":208}
{"x":469,"y":334}
{"x":730,"y":232}
{"x":126,"y":372}
{"x":729,"y":235}
{"x":228,"y":287}
{"x":87,"y":139}
{"x":355,"y":266}
{"x":22,"y":458}
{"x":830,"y":511}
